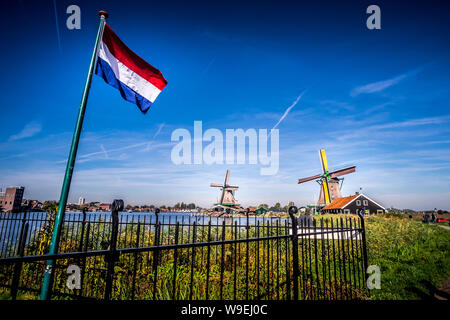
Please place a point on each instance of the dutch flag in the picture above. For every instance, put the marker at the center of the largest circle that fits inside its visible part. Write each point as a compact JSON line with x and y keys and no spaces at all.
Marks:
{"x":137,"y":81}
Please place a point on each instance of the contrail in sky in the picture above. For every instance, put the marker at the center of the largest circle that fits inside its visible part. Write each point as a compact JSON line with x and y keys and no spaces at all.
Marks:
{"x":104,"y":151}
{"x":208,"y":66}
{"x":57,"y":26}
{"x":159,"y":130}
{"x":147,"y":148}
{"x":287,"y":111}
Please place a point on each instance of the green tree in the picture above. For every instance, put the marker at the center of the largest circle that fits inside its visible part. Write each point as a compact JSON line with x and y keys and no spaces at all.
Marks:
{"x":51,"y":207}
{"x":290,"y":204}
{"x":191,"y":206}
{"x":276,"y":207}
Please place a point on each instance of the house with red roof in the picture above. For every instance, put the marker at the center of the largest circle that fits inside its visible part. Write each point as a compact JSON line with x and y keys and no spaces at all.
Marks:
{"x":354,"y":204}
{"x":105,"y":206}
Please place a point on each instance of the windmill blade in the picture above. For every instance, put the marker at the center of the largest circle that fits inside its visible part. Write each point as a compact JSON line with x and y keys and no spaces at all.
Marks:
{"x":227,"y":176}
{"x":326,"y":191}
{"x":232,"y":188}
{"x":323,"y":160}
{"x":216,"y":185}
{"x":222,"y":196}
{"x":343,"y":171}
{"x":317,"y":176}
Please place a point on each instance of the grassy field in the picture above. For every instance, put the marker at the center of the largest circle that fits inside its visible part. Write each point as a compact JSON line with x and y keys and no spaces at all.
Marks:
{"x":410,"y":254}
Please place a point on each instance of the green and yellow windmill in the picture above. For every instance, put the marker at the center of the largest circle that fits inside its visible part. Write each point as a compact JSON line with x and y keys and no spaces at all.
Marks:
{"x":330,"y":187}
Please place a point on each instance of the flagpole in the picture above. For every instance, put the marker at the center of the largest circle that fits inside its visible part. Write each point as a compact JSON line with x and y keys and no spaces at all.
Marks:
{"x":70,"y":164}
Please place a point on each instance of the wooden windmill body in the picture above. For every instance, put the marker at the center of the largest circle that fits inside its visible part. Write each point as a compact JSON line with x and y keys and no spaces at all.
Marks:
{"x":330,"y":183}
{"x":227,"y":199}
{"x":334,"y":190}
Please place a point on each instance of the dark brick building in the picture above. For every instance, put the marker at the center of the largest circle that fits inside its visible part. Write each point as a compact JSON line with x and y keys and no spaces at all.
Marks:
{"x":353,"y":205}
{"x":11,"y":199}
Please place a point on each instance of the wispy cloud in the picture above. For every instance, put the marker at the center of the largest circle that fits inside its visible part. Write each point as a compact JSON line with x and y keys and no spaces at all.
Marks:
{"x":377,"y":86}
{"x":435,"y":142}
{"x":384,"y":131}
{"x":337,"y":105}
{"x":92,"y":155}
{"x":413,"y":122}
{"x":288,"y":109}
{"x":31,"y":129}
{"x":378,"y":107}
{"x":384,"y":84}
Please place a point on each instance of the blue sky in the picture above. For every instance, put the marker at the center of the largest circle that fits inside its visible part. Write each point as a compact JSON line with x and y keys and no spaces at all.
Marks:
{"x":377,"y":99}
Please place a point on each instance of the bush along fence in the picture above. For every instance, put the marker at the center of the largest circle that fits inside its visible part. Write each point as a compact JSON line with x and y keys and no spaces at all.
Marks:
{"x":123,"y":257}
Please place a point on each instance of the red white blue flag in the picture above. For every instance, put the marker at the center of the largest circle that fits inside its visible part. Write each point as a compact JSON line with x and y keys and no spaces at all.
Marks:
{"x":137,"y":81}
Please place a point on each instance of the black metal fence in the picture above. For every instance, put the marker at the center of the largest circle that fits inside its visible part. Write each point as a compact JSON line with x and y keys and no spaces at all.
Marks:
{"x":118,"y":256}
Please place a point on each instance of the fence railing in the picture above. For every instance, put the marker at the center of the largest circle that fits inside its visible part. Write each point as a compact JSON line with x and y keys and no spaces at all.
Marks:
{"x":188,"y":258}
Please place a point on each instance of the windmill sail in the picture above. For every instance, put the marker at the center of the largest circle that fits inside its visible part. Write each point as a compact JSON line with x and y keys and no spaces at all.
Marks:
{"x":343,"y":171}
{"x":329,"y":181}
{"x":326,"y":189}
{"x":302,"y":180}
{"x":227,"y":195}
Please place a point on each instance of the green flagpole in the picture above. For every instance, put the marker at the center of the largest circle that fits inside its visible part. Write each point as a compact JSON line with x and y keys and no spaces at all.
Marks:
{"x":70,"y":164}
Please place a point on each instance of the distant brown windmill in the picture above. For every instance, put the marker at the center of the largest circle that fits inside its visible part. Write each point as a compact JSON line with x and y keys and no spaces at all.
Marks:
{"x":330,"y":189}
{"x":227,"y":200}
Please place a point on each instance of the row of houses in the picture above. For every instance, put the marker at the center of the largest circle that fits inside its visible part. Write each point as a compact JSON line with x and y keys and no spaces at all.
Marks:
{"x":357,"y":203}
{"x":92,"y":207}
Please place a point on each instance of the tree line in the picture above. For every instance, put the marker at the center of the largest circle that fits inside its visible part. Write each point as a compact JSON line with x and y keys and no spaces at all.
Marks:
{"x":276,"y":207}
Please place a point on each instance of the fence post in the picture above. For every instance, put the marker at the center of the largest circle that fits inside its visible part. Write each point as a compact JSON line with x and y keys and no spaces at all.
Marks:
{"x":133,"y":288}
{"x":293,"y":210}
{"x":363,"y":236}
{"x":156,"y":254}
{"x":18,"y":265}
{"x":116,"y":206}
{"x":157,"y":216}
{"x":247,"y":255}
{"x":80,"y":248}
{"x":247,"y":211}
{"x":24,"y":221}
{"x":83,"y":226}
{"x":83,"y":265}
